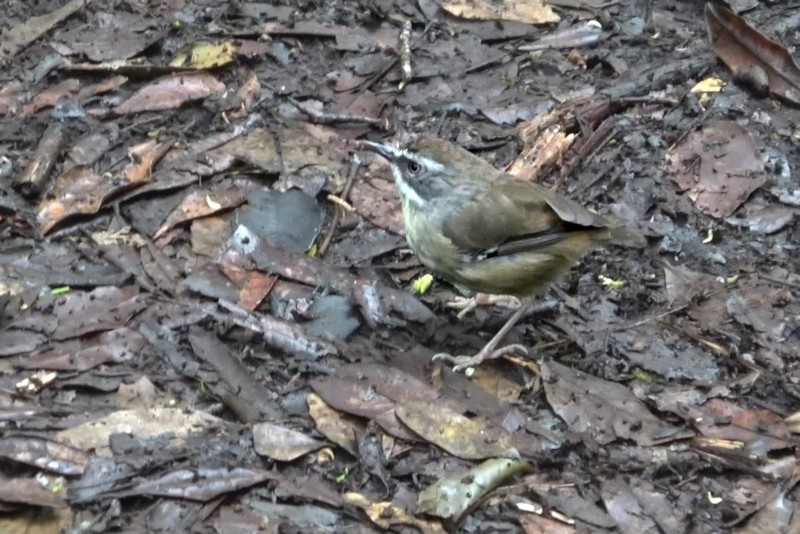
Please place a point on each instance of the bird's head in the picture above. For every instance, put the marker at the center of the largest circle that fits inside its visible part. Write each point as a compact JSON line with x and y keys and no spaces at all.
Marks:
{"x":427,"y":167}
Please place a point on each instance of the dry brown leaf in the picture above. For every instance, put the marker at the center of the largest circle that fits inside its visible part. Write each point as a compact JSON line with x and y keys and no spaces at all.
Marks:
{"x":204,"y":202}
{"x":752,"y":57}
{"x":178,"y":423}
{"x":730,"y":169}
{"x":255,"y":289}
{"x":357,"y":398}
{"x":470,"y":439}
{"x":171,"y":92}
{"x":387,"y":515}
{"x":527,"y":11}
{"x":81,"y":191}
{"x":18,"y":36}
{"x":602,"y":409}
{"x":337,"y":427}
{"x":758,"y":431}
{"x":377,"y":201}
{"x":29,"y":492}
{"x":49,"y":96}
{"x":281,"y":443}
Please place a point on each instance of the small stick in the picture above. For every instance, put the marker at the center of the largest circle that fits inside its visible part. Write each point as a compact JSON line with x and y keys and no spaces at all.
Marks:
{"x":779,"y":281}
{"x":405,"y":55}
{"x":341,"y":202}
{"x":320,"y":117}
{"x":283,"y":335}
{"x":355,"y":165}
{"x":34,"y":179}
{"x":364,"y":87}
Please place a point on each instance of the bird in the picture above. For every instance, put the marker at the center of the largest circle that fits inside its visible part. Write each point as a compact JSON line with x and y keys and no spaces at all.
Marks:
{"x":486,"y":231}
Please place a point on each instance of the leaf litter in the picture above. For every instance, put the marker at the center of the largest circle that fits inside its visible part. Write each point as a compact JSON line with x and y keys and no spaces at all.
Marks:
{"x":222,"y":308}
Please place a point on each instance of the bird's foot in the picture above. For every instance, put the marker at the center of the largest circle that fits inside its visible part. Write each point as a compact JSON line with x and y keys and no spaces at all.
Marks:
{"x":466,"y":305}
{"x":465,"y":362}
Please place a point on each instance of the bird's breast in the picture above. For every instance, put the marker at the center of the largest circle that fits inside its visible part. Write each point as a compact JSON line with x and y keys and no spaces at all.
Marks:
{"x":425,"y":237}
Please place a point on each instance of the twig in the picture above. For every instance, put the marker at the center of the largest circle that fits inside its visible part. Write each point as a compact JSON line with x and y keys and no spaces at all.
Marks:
{"x":779,"y":282}
{"x":654,"y":318}
{"x":34,"y":179}
{"x":364,"y":87}
{"x":498,"y":59}
{"x":405,"y":54}
{"x":692,"y":127}
{"x":592,"y":144}
{"x":355,"y":165}
{"x":320,"y":117}
{"x":283,"y":335}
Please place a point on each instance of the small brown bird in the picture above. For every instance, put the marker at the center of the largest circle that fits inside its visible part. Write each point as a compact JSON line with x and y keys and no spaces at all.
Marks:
{"x":482,"y":229}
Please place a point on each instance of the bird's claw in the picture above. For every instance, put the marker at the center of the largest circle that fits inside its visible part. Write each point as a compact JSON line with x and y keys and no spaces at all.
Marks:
{"x":467,"y":304}
{"x":464,"y":304}
{"x":465,"y":362}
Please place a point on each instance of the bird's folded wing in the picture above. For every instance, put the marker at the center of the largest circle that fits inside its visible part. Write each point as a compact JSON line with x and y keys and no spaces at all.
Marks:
{"x":516,"y":216}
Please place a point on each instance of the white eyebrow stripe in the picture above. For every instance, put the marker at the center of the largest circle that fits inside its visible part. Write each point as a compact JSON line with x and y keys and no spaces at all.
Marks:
{"x":431,"y":164}
{"x":427,"y":163}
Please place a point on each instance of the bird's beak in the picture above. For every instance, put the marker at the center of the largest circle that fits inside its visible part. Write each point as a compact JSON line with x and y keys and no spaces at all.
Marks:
{"x":389,"y":152}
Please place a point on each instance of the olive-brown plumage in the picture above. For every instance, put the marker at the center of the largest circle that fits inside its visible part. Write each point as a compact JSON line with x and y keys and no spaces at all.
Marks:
{"x":488,"y":231}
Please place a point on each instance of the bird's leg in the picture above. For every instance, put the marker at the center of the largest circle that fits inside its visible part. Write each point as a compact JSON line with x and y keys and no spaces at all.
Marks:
{"x":489,"y":351}
{"x":467,"y":304}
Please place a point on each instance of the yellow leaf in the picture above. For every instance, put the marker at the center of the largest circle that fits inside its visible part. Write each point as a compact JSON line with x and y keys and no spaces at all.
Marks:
{"x":204,"y":55}
{"x":709,"y":85}
{"x":422,"y":284}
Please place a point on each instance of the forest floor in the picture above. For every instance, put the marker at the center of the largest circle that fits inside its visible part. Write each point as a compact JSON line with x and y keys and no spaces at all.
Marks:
{"x":210,"y":319}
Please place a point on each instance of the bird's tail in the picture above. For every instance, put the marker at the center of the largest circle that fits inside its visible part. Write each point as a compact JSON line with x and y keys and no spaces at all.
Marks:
{"x":623,"y":236}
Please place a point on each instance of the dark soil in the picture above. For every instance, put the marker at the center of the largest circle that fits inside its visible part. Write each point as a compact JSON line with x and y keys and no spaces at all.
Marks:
{"x":658,"y":380}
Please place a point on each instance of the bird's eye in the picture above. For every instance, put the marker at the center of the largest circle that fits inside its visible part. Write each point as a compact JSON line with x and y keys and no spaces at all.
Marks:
{"x":413,"y":167}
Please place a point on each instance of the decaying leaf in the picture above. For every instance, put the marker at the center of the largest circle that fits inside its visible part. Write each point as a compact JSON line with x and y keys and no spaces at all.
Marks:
{"x":282,"y":443}
{"x":81,"y":191}
{"x":171,"y":92}
{"x":198,"y":484}
{"x":470,"y":439}
{"x":387,"y":515}
{"x":452,"y":496}
{"x":17,"y":37}
{"x":45,"y":454}
{"x":605,"y":410}
{"x":178,"y":423}
{"x":752,"y":57}
{"x":730,"y":167}
{"x":339,"y":428}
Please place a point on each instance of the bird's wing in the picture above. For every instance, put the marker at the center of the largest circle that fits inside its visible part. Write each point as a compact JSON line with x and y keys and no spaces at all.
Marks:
{"x":513,"y":216}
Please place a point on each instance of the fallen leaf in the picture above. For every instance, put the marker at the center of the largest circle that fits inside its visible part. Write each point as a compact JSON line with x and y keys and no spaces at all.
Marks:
{"x":471,"y":439}
{"x":526,"y":11}
{"x":170,"y":92}
{"x":18,"y":36}
{"x":752,"y":57}
{"x":730,"y":167}
{"x":605,"y":410}
{"x":451,"y":496}
{"x":281,"y":443}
